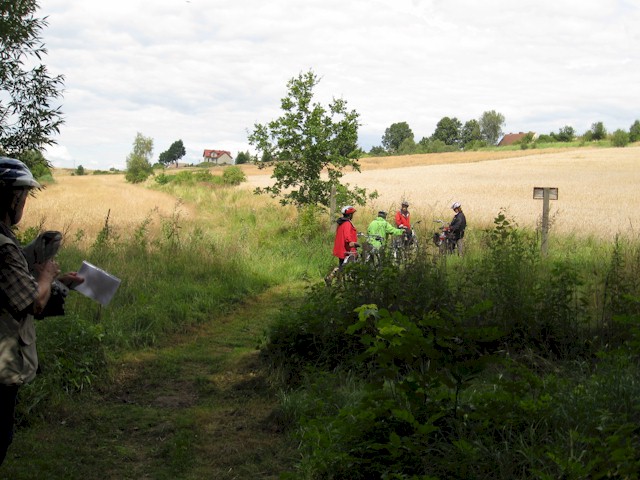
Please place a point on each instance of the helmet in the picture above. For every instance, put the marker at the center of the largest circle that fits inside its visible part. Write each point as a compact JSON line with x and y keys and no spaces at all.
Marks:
{"x":382,"y":214}
{"x":405,"y":203}
{"x":14,"y":173}
{"x":348,"y":210}
{"x":455,"y":205}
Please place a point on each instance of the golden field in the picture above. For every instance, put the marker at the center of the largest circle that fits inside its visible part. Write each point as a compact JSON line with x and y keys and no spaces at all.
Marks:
{"x":598,"y":188}
{"x":82,"y":203}
{"x":598,"y":192}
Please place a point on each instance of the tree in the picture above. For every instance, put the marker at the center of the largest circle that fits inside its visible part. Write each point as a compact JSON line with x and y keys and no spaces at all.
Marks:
{"x":565,"y":134}
{"x":243,"y":157}
{"x":307,"y":141}
{"x":28,"y":117}
{"x":634,"y":131}
{"x":407,"y":147}
{"x":470,"y":133}
{"x":80,"y":170}
{"x":377,"y":151}
{"x":491,"y":124}
{"x":175,"y":152}
{"x":139,"y":160}
{"x":448,"y":130}
{"x":620,"y":138}
{"x":598,"y":132}
{"x":395,"y":135}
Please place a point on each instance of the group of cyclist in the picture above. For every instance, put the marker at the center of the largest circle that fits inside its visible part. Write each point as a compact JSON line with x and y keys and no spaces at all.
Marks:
{"x":346,"y":240}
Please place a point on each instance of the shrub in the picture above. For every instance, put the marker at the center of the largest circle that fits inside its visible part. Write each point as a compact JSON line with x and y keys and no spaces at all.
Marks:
{"x":620,"y":138}
{"x":233,"y":175}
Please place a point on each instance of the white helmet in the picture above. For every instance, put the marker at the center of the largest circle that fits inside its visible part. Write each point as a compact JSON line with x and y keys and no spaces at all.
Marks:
{"x":348,"y":210}
{"x":455,"y":205}
{"x":14,"y":173}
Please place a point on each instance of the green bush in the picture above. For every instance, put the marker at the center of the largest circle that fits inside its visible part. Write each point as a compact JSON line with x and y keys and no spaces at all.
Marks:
{"x":233,"y":175}
{"x":620,"y":138}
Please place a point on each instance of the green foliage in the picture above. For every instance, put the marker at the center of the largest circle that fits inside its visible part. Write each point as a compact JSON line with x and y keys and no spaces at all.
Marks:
{"x":407,"y":147}
{"x":448,"y":131}
{"x":173,"y":154}
{"x":307,"y":140}
{"x":395,"y":135}
{"x":598,"y":132}
{"x":620,"y":138}
{"x":497,"y":365}
{"x":28,"y":117}
{"x":39,"y":166}
{"x":634,"y":131}
{"x":80,"y":170}
{"x":378,"y":151}
{"x":470,"y":133}
{"x":491,"y":123}
{"x":565,"y":134}
{"x":243,"y":157}
{"x":139,"y":160}
{"x":233,"y":175}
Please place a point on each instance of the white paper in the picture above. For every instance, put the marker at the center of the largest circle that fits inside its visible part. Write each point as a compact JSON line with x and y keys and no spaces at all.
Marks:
{"x":98,"y":284}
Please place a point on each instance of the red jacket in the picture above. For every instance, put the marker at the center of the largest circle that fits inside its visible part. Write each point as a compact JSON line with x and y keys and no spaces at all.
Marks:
{"x":402,"y":219}
{"x":345,"y":234}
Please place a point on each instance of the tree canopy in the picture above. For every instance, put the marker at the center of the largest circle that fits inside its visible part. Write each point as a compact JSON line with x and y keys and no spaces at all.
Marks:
{"x":173,"y":154}
{"x":448,"y":131}
{"x":395,"y":135}
{"x":29,"y":117}
{"x":491,"y":123}
{"x":307,"y":140}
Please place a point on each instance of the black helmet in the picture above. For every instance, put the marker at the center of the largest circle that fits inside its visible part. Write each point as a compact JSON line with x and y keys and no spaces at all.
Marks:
{"x":382,"y":214}
{"x":405,"y":203}
{"x":14,"y":173}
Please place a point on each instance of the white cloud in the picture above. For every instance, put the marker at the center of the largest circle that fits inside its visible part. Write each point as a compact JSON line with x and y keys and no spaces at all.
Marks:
{"x":205,"y":71}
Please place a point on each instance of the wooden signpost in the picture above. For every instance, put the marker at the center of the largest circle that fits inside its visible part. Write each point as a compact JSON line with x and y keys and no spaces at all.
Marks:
{"x":546,"y":194}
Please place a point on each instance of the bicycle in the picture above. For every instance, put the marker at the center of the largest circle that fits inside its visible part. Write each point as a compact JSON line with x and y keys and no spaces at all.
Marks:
{"x":443,"y":239}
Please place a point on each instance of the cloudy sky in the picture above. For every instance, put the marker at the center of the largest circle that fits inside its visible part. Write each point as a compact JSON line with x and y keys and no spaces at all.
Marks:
{"x":206,"y":71}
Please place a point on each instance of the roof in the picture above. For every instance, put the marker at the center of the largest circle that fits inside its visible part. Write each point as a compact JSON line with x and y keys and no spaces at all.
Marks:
{"x":511,"y":138}
{"x":215,"y":153}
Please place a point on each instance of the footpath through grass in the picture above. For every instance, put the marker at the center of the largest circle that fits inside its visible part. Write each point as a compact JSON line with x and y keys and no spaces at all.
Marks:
{"x":197,"y":406}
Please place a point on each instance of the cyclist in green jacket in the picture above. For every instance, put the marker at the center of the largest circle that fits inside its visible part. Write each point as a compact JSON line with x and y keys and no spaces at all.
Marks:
{"x":379,"y":228}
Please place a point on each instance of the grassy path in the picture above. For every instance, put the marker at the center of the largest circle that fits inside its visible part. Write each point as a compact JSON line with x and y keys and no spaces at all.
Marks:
{"x":199,"y":406}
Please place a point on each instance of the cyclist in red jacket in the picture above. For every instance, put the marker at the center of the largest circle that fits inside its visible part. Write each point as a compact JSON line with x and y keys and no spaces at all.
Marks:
{"x":346,"y":241}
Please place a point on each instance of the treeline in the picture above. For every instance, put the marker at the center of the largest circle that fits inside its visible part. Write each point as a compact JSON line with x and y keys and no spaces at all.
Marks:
{"x":452,"y":135}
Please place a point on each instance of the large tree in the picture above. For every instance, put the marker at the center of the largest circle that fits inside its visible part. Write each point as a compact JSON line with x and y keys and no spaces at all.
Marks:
{"x":395,"y":135}
{"x":448,"y":131}
{"x":29,"y":116}
{"x":470,"y":132}
{"x":307,"y":141}
{"x":175,"y":152}
{"x":139,"y":160}
{"x":491,"y":124}
{"x":598,"y":131}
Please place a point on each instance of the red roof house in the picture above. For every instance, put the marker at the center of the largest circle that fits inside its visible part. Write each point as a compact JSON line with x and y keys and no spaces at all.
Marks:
{"x":217,"y":156}
{"x":511,"y":138}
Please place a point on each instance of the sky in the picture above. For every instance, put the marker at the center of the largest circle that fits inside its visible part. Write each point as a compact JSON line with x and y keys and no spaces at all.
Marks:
{"x":206,"y":71}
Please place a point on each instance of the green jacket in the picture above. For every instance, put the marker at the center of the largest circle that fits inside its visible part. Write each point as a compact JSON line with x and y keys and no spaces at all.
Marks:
{"x":380,"y":227}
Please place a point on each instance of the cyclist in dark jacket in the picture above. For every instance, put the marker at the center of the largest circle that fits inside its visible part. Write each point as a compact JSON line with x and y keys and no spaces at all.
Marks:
{"x":457,"y":227}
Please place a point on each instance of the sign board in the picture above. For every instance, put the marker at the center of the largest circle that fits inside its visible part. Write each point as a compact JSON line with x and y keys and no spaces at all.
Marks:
{"x":538,"y":193}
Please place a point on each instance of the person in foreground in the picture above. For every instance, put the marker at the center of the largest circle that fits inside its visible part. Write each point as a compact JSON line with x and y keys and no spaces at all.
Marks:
{"x":345,"y":243}
{"x":457,"y":227}
{"x":379,"y":227}
{"x":22,"y":295}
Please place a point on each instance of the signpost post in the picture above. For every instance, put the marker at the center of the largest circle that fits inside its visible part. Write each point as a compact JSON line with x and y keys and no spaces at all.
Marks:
{"x":546,"y":194}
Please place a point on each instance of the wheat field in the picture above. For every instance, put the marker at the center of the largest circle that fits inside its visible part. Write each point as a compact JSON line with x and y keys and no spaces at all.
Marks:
{"x":598,"y":188}
{"x":82,"y":203}
{"x":598,"y":192}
